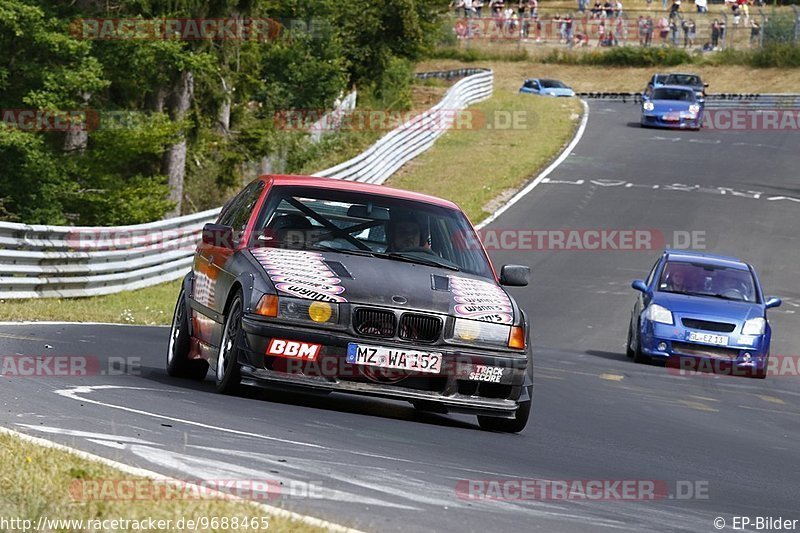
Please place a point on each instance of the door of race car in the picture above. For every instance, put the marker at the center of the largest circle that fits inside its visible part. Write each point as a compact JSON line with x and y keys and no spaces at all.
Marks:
{"x":211,"y":280}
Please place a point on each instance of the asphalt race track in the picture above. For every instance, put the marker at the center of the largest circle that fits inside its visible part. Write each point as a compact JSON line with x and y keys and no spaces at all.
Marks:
{"x":597,"y":415}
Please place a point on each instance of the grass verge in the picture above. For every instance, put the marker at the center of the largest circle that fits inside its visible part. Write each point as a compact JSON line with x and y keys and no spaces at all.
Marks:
{"x":722,"y":78}
{"x":480,"y":168}
{"x":149,"y":306}
{"x":41,"y":482}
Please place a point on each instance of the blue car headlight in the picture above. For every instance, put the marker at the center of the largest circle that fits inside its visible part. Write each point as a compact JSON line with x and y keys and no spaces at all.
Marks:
{"x":648,"y":106}
{"x":657,"y":313}
{"x":754,"y":326}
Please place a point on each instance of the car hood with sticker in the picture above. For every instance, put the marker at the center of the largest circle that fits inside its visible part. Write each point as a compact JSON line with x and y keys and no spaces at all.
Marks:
{"x":341,"y":277}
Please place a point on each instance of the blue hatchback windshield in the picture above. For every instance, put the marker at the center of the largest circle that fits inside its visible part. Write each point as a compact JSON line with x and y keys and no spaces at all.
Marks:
{"x":708,"y":280}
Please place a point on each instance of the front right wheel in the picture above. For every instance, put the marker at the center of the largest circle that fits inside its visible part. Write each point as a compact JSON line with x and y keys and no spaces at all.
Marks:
{"x":178,"y":363}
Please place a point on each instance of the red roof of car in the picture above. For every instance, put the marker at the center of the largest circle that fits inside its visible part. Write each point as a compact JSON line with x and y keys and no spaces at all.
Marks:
{"x":367,"y":188}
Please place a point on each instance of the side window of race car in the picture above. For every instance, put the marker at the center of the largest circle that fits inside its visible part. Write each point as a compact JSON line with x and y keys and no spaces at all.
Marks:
{"x":237,"y":215}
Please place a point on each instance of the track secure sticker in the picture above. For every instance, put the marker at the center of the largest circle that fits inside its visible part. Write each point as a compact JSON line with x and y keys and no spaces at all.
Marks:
{"x":480,"y":300}
{"x":300,"y":273}
{"x":492,"y":374}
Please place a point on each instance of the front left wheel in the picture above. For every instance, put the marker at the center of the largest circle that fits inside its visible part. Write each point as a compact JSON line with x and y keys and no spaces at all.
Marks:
{"x":509,"y":425}
{"x":178,"y":363}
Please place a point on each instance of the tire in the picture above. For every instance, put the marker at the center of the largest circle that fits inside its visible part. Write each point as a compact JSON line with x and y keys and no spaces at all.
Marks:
{"x":178,"y":363}
{"x":509,"y":425}
{"x":228,"y":370}
{"x":628,"y":350}
{"x":762,"y":373}
{"x":636,"y":353}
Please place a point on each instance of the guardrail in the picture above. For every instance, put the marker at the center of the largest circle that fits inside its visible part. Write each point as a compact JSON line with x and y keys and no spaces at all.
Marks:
{"x":38,"y":261}
{"x":416,"y":135}
{"x":715,"y":101}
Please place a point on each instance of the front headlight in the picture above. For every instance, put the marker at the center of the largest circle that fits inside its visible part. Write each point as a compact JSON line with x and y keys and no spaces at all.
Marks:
{"x":299,"y":309}
{"x":648,"y":106}
{"x":694,"y":109}
{"x":475,"y":331}
{"x":754,"y":326}
{"x":656,"y":313}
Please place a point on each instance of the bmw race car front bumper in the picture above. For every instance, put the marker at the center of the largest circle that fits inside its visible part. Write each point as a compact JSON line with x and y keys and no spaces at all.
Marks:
{"x":458,"y":387}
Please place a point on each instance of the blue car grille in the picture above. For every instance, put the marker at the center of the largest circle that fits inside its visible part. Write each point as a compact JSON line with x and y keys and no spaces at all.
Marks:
{"x":706,"y":325}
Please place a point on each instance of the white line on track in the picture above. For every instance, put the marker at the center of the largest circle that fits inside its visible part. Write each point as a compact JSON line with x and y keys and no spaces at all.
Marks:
{"x":140,"y":472}
{"x":72,"y":394}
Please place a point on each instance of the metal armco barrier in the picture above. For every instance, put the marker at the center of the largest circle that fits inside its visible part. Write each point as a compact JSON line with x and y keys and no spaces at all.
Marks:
{"x":413,"y":137}
{"x":715,"y":101}
{"x":38,"y":261}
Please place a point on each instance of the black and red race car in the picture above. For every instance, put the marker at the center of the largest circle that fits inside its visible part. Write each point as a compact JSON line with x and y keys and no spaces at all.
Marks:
{"x":338,"y":286}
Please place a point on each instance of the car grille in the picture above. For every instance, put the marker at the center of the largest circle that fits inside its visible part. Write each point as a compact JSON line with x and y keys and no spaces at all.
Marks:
{"x":424,"y":328}
{"x":374,"y":323}
{"x":708,"y":326}
{"x":702,"y":350}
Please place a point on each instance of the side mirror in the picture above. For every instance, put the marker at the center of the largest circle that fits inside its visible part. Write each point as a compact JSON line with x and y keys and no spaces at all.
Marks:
{"x":514,"y":275}
{"x":640,"y":286}
{"x":772,"y":302}
{"x":218,"y":235}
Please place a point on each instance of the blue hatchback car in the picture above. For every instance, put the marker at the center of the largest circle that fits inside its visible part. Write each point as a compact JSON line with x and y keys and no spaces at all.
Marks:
{"x":701,"y":307}
{"x":546,"y":87}
{"x":671,"y":106}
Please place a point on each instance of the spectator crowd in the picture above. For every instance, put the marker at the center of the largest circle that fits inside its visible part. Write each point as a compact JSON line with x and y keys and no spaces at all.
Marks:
{"x":604,"y":23}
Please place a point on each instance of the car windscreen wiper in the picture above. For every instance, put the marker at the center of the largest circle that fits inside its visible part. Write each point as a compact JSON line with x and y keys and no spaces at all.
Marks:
{"x":421,"y":260}
{"x":353,"y":251}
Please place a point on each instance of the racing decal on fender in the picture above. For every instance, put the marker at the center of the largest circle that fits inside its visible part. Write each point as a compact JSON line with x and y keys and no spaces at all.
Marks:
{"x":309,"y":293}
{"x":294,"y":349}
{"x":480,"y":300}
{"x":300,"y":273}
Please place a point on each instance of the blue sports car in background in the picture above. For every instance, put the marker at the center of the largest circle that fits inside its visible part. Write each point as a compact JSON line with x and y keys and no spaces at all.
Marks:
{"x":701,"y":306}
{"x":671,"y":106}
{"x":546,"y":87}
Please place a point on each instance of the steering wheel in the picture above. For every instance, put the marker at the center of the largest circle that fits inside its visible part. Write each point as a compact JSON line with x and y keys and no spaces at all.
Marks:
{"x":733,"y":293}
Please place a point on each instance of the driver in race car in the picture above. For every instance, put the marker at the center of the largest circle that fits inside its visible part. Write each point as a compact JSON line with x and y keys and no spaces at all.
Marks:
{"x":406,"y":235}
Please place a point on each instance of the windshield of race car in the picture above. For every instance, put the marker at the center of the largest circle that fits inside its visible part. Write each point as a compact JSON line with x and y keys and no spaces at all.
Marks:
{"x":364,"y":224}
{"x":708,"y":280}
{"x":553,"y":84}
{"x":683,"y":79}
{"x":673,"y":94}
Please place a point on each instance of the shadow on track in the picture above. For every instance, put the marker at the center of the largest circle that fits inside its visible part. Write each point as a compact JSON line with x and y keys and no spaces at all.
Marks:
{"x":339,"y":402}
